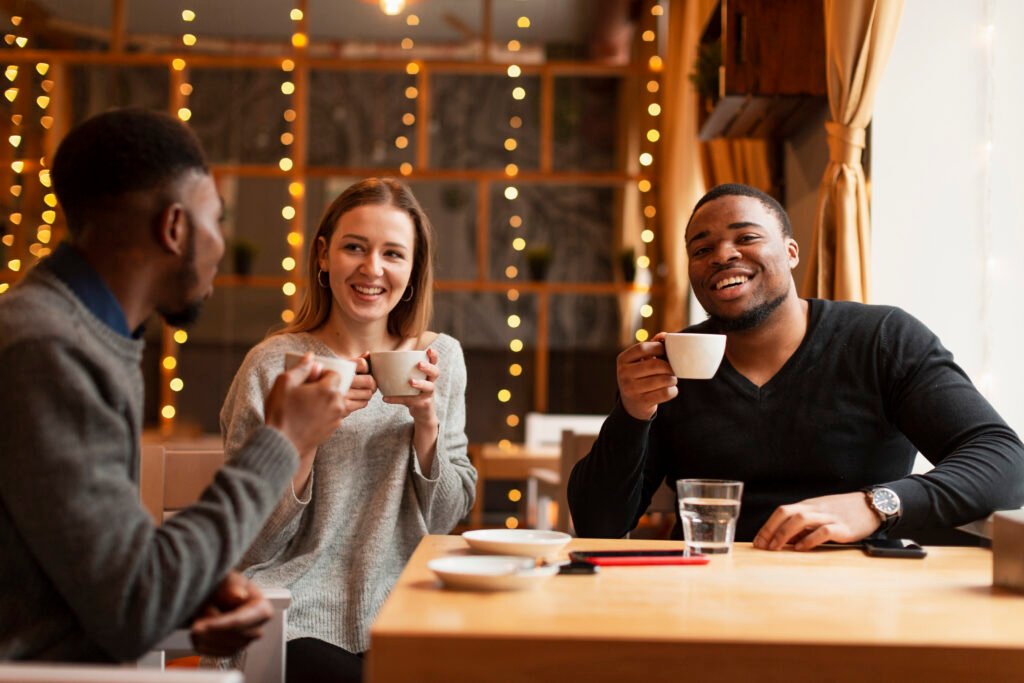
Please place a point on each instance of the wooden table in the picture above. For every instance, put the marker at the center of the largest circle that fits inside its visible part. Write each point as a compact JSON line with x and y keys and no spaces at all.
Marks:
{"x":509,"y":462}
{"x":828,"y":615}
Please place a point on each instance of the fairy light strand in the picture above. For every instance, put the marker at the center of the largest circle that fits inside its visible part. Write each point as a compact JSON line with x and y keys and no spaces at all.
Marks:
{"x":649,"y":143}
{"x":296,"y":185}
{"x":413,"y":69}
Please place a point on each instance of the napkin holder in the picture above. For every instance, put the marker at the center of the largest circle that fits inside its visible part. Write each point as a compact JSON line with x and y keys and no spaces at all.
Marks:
{"x":1008,"y":550}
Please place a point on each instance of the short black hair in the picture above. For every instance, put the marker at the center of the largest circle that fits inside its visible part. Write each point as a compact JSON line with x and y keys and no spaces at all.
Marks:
{"x":739,"y":190}
{"x":117,"y":152}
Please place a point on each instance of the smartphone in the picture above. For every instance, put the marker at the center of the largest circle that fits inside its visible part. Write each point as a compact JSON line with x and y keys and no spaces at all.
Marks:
{"x":578,"y":567}
{"x":893,"y":547}
{"x":636,"y":557}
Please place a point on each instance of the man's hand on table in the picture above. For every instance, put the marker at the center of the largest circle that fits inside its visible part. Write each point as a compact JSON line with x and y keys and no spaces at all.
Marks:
{"x":841,"y":518}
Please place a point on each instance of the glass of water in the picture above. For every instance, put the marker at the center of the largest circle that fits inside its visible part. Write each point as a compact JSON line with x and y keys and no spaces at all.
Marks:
{"x":708,"y":509}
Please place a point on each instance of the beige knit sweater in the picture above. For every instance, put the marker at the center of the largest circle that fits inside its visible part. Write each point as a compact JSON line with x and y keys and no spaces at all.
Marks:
{"x":340,"y":544}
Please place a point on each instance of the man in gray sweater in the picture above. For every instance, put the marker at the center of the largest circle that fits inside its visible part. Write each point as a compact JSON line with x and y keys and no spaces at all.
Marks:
{"x":84,"y":573}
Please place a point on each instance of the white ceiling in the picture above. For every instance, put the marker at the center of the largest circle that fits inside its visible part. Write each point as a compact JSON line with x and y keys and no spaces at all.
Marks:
{"x":339,"y":20}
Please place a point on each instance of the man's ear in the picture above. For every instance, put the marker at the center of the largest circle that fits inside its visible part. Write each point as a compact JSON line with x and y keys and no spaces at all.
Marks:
{"x":793,"y":250}
{"x":172,"y":229}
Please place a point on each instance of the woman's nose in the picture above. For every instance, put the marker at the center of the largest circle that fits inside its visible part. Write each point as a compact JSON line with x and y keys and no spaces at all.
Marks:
{"x":372,"y":264}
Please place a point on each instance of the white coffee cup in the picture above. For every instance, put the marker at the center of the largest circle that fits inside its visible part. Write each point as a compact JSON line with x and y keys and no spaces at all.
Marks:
{"x":393,"y":369}
{"x":346,"y":369}
{"x":694,"y":356}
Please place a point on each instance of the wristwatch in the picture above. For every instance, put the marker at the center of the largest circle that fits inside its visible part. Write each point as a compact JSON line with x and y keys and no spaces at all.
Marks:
{"x":885,"y":503}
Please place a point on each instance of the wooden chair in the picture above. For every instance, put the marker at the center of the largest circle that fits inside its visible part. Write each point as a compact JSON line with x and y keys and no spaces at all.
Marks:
{"x":88,"y":673}
{"x":171,"y":480}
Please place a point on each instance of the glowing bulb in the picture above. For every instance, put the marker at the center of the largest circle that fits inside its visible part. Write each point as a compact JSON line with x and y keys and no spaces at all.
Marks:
{"x":643,"y":262}
{"x":654,"y":109}
{"x":288,"y":288}
{"x":287,"y":87}
{"x":653,"y":135}
{"x":178,"y":64}
{"x":287,"y":65}
{"x":288,"y":213}
{"x":289,"y":115}
{"x":188,"y":15}
{"x":42,"y":68}
{"x":295,"y":239}
{"x":401,"y":142}
{"x":392,"y":7}
{"x":407,"y":43}
{"x":648,"y":36}
{"x":10,"y":94}
{"x":287,"y":138}
{"x":296,"y":189}
{"x":514,"y":71}
{"x":511,"y":170}
{"x":287,"y":315}
{"x":405,"y":168}
{"x":652,"y":86}
{"x":512,"y":420}
{"x":646,"y":159}
{"x":519,"y":244}
{"x":641,"y":335}
{"x":412,"y":20}
{"x":170,"y":362}
{"x":288,"y":263}
{"x":514,"y":45}
{"x":185,"y":89}
{"x":511,"y":193}
{"x":504,"y":395}
{"x":17,"y":166}
{"x":188,"y":39}
{"x":411,"y":92}
{"x":511,"y":144}
{"x":514,"y":321}
{"x":515,"y":369}
{"x":184,"y":113}
{"x":644,"y":185}
{"x":650,"y":211}
{"x":646,"y":311}
{"x":44,"y":235}
{"x":408,"y":119}
{"x":412,"y":68}
{"x":14,"y":264}
{"x":285,"y":164}
{"x":168,"y":412}
{"x":657,"y":10}
{"x":515,"y":122}
{"x":511,"y":523}
{"x":299,"y":40}
{"x":515,"y":221}
{"x":295,"y":14}
{"x":177,"y":384}
{"x":511,"y":272}
{"x":655,"y":63}
{"x":49,"y":216}
{"x":518,"y":93}
{"x":647,"y":236}
{"x":516,"y":345}
{"x":512,"y":294}
{"x":514,"y":495}
{"x":180,"y":336}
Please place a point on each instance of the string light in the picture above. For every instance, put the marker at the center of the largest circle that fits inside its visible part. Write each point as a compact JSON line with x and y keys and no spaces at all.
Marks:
{"x":296,"y":186}
{"x":655,"y":66}
{"x":413,"y":68}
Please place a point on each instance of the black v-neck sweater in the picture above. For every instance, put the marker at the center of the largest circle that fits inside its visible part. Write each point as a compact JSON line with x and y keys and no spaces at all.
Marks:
{"x":868,"y":388}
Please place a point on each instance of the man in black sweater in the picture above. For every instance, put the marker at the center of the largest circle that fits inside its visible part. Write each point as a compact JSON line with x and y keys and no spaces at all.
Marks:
{"x":819,"y":407}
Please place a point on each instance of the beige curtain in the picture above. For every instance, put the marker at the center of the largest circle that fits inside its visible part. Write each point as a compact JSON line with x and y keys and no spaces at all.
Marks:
{"x":682,"y":180}
{"x":738,"y":160}
{"x":859,"y":35}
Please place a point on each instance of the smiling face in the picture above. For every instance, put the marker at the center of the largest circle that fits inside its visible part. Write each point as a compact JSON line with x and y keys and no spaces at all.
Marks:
{"x":369,"y":261}
{"x":740,"y":261}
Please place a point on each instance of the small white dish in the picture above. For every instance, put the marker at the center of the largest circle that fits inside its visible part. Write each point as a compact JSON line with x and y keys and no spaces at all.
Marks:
{"x":527,"y":542}
{"x":490,"y":572}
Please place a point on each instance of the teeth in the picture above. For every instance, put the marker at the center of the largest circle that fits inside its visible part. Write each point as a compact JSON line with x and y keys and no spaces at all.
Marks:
{"x":368,"y":290}
{"x":737,"y":280}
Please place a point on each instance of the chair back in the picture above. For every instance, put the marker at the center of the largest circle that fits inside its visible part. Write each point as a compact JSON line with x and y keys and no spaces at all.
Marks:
{"x":545,"y":429}
{"x":170,"y":480}
{"x":90,"y":673}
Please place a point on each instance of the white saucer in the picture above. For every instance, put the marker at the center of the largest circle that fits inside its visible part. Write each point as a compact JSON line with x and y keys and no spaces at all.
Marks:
{"x":528,"y":542}
{"x":489,"y":572}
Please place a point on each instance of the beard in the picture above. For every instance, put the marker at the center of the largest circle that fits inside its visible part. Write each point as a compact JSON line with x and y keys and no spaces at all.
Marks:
{"x":749,"y":319}
{"x":186,"y":279}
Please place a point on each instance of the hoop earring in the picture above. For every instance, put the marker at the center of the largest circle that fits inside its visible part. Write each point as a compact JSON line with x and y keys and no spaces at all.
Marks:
{"x":411,"y":290}
{"x":320,"y":279}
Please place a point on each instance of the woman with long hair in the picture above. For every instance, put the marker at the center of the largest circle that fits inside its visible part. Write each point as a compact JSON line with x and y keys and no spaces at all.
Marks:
{"x":397,"y":468}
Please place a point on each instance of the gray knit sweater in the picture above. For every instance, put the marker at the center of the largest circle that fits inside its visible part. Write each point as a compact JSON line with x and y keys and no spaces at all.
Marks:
{"x":342,"y":542}
{"x":84,"y":573}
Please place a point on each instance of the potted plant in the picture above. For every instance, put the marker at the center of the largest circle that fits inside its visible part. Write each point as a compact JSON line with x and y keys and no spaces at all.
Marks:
{"x":538,"y":258}
{"x":627,"y":261}
{"x":243,"y":253}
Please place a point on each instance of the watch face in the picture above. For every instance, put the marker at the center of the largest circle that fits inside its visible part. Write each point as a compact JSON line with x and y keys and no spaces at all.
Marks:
{"x":886,"y":501}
